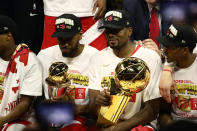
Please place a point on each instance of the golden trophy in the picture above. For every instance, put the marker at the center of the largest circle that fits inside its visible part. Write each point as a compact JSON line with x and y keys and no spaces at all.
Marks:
{"x":132,"y":75}
{"x":58,"y":80}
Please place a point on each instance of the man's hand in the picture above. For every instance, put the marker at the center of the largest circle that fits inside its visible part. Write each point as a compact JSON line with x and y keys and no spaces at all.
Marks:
{"x":150,"y":44}
{"x":111,"y":128}
{"x":18,"y":111}
{"x":103,"y":99}
{"x":138,"y":42}
{"x":58,"y":84}
{"x":66,"y":97}
{"x":99,"y":9}
{"x":166,"y":82}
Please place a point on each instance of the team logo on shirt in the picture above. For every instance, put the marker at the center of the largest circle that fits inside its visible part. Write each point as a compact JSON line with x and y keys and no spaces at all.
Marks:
{"x":184,"y":103}
{"x":79,"y":80}
{"x":80,"y":93}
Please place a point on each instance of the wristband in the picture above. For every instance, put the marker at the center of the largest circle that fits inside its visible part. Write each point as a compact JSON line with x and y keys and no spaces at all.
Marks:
{"x":167,"y":70}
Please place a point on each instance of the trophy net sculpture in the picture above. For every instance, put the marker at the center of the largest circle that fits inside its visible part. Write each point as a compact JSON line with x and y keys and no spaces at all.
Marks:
{"x":132,"y":75}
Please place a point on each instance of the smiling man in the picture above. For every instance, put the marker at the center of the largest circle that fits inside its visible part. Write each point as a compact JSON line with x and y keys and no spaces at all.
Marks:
{"x":143,"y":107}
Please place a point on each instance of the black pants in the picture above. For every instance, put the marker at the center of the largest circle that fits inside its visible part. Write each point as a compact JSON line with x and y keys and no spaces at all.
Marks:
{"x":29,"y":17}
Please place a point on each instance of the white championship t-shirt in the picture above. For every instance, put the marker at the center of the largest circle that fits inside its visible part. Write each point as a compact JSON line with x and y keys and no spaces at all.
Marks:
{"x":3,"y":68}
{"x":26,"y":80}
{"x":103,"y":65}
{"x":77,"y":65}
{"x":185,"y":103}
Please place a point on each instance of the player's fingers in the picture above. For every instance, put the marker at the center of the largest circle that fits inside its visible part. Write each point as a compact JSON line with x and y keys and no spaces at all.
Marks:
{"x":166,"y":96}
{"x":102,"y":100}
{"x":97,"y":14}
{"x":138,"y":42}
{"x":175,"y":87}
{"x":94,"y":7}
{"x":147,"y":40}
{"x":150,"y":44}
{"x":150,"y":47}
{"x":102,"y":13}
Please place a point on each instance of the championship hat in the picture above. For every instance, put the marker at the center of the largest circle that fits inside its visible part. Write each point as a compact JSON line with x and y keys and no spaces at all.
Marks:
{"x":117,"y":19}
{"x":67,"y":25}
{"x":179,"y":35}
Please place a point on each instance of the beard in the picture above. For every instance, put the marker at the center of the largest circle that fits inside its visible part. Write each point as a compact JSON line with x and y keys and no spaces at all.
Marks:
{"x":117,"y":46}
{"x":66,"y":54}
{"x":113,"y":46}
{"x":70,"y":53}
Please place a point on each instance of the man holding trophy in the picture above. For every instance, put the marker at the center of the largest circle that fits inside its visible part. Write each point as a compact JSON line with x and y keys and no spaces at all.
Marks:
{"x":65,"y":65}
{"x":68,"y":59}
{"x":110,"y":87}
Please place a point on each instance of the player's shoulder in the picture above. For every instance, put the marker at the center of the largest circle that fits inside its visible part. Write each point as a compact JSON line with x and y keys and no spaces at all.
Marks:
{"x":101,"y":54}
{"x":149,"y":53}
{"x":32,"y":55}
{"x":149,"y":56}
{"x":49,"y":52}
{"x":28,"y":60}
{"x":90,"y":50}
{"x":105,"y":51}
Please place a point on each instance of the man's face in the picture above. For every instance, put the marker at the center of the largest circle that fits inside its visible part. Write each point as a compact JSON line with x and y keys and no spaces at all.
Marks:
{"x":3,"y":43}
{"x":117,"y":38}
{"x":172,"y":53}
{"x":69,"y":45}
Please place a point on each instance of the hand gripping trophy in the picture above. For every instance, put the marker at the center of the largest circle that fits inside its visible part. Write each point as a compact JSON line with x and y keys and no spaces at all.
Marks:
{"x":131,"y":76}
{"x":59,"y":81}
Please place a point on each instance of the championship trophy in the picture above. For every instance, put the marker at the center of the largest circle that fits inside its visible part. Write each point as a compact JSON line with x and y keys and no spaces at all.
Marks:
{"x":132,"y":75}
{"x":59,"y":81}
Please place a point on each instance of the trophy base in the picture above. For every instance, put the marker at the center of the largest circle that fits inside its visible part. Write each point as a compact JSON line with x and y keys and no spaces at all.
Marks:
{"x":109,"y":115}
